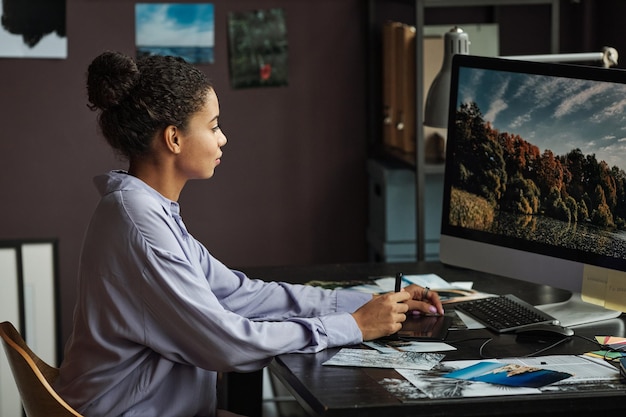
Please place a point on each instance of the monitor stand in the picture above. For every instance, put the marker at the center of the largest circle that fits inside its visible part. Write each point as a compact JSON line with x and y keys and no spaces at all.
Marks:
{"x":575,"y":311}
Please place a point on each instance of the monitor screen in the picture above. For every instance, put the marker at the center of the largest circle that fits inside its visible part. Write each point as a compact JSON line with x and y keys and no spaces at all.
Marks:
{"x":534,"y":184}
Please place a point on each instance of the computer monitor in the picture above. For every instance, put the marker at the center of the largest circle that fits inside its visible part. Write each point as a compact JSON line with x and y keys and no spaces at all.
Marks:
{"x":534,"y":184}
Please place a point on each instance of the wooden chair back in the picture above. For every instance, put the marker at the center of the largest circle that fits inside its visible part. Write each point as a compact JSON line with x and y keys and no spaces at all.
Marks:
{"x":33,"y":377}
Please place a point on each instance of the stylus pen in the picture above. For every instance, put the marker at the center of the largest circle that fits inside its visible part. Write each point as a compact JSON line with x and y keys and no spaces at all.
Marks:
{"x":398,"y":281}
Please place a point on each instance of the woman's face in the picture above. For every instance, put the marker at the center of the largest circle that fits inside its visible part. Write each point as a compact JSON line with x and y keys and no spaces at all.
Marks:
{"x":201,"y":141}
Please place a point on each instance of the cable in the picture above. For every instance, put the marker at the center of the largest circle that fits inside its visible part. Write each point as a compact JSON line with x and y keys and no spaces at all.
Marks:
{"x":480,"y":351}
{"x":553,"y":345}
{"x":487,"y":340}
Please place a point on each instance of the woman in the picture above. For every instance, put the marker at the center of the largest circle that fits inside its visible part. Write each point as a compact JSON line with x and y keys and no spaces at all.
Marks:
{"x":157,"y":316}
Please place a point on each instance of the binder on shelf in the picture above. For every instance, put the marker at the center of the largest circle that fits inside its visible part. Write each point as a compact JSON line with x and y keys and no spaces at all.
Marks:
{"x":405,"y":88}
{"x":398,"y":79}
{"x":389,"y":56}
{"x":399,"y":74}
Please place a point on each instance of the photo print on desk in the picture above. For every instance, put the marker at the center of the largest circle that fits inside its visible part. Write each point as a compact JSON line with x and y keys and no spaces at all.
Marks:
{"x":366,"y":358}
{"x":435,"y":383}
{"x":257,"y":46}
{"x":509,"y":374}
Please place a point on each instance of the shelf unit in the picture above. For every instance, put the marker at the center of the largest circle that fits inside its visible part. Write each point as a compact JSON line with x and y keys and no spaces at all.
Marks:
{"x":418,"y":163}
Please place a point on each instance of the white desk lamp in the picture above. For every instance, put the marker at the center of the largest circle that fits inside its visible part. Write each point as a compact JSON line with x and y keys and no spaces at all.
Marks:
{"x":455,"y":41}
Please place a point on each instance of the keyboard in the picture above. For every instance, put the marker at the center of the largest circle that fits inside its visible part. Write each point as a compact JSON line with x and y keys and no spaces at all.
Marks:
{"x":504,"y":313}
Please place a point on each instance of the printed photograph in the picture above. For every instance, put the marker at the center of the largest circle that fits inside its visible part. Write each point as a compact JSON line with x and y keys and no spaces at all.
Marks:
{"x":33,"y":29}
{"x":257,"y":45}
{"x":434,"y":384}
{"x":178,"y":29}
{"x":370,"y":358}
{"x":572,"y":374}
{"x":511,"y":374}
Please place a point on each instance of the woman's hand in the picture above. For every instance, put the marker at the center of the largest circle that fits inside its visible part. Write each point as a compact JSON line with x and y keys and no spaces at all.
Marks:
{"x":423,"y":299}
{"x":383,"y":315}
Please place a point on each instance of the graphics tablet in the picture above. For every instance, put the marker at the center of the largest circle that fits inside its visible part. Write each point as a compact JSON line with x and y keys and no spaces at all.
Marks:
{"x":425,"y":327}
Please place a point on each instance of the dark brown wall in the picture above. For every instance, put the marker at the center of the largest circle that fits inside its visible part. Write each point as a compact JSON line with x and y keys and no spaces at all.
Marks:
{"x":292,"y":185}
{"x":291,"y":188}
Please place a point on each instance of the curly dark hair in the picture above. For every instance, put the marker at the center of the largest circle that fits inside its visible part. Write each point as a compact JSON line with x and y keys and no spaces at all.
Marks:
{"x":137,"y":99}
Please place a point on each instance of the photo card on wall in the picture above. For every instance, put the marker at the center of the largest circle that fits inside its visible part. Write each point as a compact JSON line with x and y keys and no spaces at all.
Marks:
{"x":177,"y":29}
{"x":257,"y":46}
{"x":33,"y":29}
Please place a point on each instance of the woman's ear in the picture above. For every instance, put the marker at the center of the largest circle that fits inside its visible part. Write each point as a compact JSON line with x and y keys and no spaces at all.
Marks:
{"x":171,"y":139}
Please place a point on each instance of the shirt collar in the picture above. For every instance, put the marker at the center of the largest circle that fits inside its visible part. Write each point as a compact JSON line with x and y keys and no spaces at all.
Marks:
{"x":119,"y":180}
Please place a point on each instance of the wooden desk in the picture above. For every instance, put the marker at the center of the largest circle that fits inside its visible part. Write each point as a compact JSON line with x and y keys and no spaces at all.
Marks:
{"x":345,"y":391}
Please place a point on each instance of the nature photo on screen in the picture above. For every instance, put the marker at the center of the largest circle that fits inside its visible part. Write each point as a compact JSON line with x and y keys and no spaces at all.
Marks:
{"x":540,"y":158}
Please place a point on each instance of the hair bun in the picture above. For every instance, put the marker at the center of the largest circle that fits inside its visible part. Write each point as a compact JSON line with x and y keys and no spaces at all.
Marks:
{"x":110,"y":78}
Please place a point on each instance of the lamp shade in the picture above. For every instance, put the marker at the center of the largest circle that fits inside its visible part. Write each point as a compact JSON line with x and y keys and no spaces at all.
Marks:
{"x":455,"y":41}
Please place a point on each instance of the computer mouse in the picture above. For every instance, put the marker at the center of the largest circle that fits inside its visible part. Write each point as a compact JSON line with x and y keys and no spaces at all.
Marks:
{"x":544,"y":331}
